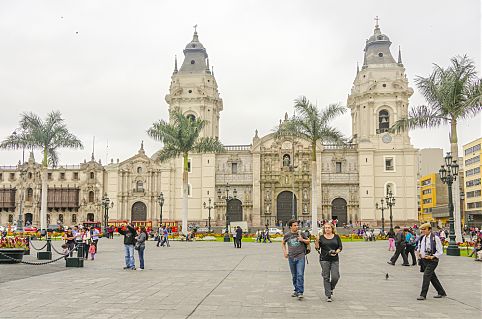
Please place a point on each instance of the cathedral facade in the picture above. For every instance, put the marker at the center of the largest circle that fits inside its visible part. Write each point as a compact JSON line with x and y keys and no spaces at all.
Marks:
{"x":263,"y":182}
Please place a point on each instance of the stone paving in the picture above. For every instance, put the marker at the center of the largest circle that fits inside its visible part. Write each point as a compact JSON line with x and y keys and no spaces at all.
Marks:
{"x":212,"y":279}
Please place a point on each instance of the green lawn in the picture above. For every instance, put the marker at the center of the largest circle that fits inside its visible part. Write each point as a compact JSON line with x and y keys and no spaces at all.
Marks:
{"x":463,"y":251}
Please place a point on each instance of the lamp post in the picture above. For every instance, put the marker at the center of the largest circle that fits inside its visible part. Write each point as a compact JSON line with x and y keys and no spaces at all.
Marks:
{"x":208,"y":207}
{"x":20,"y":213}
{"x":382,"y":208}
{"x":448,"y":174}
{"x":390,"y":203}
{"x":106,"y":204}
{"x":160,"y":200}
{"x":227,"y":197}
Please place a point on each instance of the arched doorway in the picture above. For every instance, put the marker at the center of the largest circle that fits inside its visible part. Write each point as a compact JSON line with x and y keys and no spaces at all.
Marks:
{"x":139,"y":212}
{"x":235,"y":210}
{"x":338,"y":211}
{"x":284,"y":207}
{"x":90,"y":217}
{"x":28,"y":219}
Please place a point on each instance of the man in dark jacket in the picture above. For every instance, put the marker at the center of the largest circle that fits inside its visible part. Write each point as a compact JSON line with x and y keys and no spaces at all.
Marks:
{"x":399,"y":248}
{"x":129,"y":240}
{"x":239,"y":237}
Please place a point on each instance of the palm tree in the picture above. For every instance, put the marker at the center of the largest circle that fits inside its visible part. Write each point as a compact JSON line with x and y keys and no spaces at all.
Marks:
{"x":453,"y":94}
{"x":312,"y":124}
{"x":180,"y":137}
{"x":48,"y":135}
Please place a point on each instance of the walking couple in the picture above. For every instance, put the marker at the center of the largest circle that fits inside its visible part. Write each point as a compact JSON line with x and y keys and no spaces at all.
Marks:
{"x":134,"y":240}
{"x":328,"y":244}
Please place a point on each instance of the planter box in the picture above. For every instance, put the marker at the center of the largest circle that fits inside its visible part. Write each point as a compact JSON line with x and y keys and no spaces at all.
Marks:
{"x":11,"y":252}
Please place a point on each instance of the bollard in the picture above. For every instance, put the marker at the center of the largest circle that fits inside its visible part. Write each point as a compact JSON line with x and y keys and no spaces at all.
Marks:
{"x":76,"y":262}
{"x":46,"y":255}
{"x":27,"y":250}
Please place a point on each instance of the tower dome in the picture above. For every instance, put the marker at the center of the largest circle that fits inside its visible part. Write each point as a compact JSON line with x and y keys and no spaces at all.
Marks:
{"x":195,"y":57}
{"x":377,"y":49}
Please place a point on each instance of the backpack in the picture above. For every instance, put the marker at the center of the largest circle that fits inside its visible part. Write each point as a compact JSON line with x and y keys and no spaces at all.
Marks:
{"x":412,"y":241}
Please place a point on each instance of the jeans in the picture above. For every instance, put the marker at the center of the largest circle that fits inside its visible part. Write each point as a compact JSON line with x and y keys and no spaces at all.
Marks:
{"x":330,"y":271}
{"x":129,"y":256}
{"x":141,"y":256}
{"x":297,"y":267}
{"x":429,"y":276}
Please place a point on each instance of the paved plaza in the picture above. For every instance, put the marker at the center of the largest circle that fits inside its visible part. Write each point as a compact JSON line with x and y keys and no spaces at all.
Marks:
{"x":212,"y":279}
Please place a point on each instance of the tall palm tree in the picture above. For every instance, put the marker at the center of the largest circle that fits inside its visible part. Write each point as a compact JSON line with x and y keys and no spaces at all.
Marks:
{"x":453,"y":94}
{"x":180,"y":137}
{"x":313,"y":124}
{"x":47,"y":135}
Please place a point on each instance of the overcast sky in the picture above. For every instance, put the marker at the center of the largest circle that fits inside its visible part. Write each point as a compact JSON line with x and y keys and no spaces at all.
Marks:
{"x":106,"y":65}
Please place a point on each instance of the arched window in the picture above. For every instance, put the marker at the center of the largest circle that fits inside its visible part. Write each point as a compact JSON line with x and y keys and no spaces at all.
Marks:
{"x":139,"y":186}
{"x":139,"y":170}
{"x":10,"y":218}
{"x":74,"y":218}
{"x":29,"y":194}
{"x":61,"y":218}
{"x":92,"y":175}
{"x":286,"y":160}
{"x":191,"y":117}
{"x":90,"y":217}
{"x":389,"y":187}
{"x":383,"y":121}
{"x":91,"y":196}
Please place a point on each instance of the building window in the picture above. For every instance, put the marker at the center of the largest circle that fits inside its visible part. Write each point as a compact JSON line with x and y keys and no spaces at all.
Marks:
{"x":476,"y":193}
{"x":139,"y":186}
{"x":427,"y":200}
{"x":472,"y":160}
{"x":472,"y":149}
{"x":473,"y":182}
{"x":189,"y":190}
{"x":49,"y":176}
{"x":474,"y":205}
{"x":389,"y":187}
{"x":383,"y":121}
{"x":189,"y":166}
{"x":92,"y":175}
{"x":427,"y":191}
{"x":48,"y":219}
{"x":30,"y":175}
{"x":389,"y":164}
{"x":234,"y":168}
{"x":139,"y":170}
{"x":76,"y":175}
{"x":10,"y":218}
{"x":338,"y":167}
{"x":74,"y":218}
{"x":12,"y":176}
{"x":1,"y":176}
{"x":62,"y":176}
{"x":191,"y":117}
{"x":61,"y":218}
{"x":29,"y":194}
{"x":91,"y":196}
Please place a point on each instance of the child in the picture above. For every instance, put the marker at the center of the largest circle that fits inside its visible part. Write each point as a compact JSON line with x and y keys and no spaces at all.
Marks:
{"x":92,"y":251}
{"x":65,"y":250}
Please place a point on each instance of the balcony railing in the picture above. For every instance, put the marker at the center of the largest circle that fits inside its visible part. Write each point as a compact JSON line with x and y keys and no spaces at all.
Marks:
{"x":339,"y":146}
{"x":231,"y":148}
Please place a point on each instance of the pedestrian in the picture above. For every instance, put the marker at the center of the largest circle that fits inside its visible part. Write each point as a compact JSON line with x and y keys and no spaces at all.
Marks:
{"x":95,"y":237}
{"x":141,"y":245}
{"x":165,"y":237}
{"x":329,"y":245}
{"x":70,"y":241}
{"x":399,"y":248}
{"x":85,"y":239}
{"x":429,"y":250}
{"x":92,"y":250}
{"x":65,"y":250}
{"x":129,"y":240}
{"x":295,"y":254}
{"x":411,"y":243}
{"x":239,"y":237}
{"x":391,"y":240}
{"x":441,"y":234}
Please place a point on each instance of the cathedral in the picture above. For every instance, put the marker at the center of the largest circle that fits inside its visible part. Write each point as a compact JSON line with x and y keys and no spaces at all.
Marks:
{"x":265,"y":181}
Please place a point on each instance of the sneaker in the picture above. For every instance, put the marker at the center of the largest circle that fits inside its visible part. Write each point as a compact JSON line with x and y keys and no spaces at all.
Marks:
{"x":294,"y":294}
{"x":405,"y":264}
{"x":439,"y":296}
{"x":133,"y":268}
{"x":390,"y":263}
{"x":328,"y":299}
{"x":421,"y":298}
{"x":140,"y":269}
{"x":126,"y":268}
{"x":300,"y":296}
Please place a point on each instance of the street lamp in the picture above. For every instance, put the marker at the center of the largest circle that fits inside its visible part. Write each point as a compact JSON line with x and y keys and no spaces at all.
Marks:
{"x":382,"y":208}
{"x":208,"y":207}
{"x":390,"y":203}
{"x":20,"y":213}
{"x":448,"y":174}
{"x":160,"y":200}
{"x":106,"y":204}
{"x":227,"y":198}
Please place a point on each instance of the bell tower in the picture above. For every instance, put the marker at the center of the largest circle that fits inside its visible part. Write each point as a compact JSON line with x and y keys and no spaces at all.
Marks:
{"x":194,"y":89}
{"x":386,"y":161}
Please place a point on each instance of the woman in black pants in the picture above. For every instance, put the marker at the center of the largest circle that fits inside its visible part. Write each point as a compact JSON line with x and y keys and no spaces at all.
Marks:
{"x":329,"y":245}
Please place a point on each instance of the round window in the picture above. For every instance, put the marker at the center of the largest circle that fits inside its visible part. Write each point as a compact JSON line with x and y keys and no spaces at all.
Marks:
{"x":193,"y":45}
{"x":384,"y":85}
{"x":380,"y":55}
{"x":190,"y":91}
{"x":192,"y":61}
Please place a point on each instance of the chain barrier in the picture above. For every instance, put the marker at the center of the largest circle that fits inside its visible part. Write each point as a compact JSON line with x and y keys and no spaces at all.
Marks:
{"x":39,"y":263}
{"x":31,"y":244}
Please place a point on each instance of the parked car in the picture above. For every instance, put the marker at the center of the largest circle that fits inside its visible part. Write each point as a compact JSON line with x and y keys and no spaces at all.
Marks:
{"x":275,"y":231}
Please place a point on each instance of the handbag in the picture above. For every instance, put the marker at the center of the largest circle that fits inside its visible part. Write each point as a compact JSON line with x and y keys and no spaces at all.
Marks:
{"x":137,"y":246}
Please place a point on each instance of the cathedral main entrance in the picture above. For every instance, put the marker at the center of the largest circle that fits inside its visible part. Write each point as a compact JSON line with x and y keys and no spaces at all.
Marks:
{"x":139,"y":212}
{"x":284,"y":207}
{"x":339,"y":211}
{"x":235,"y":210}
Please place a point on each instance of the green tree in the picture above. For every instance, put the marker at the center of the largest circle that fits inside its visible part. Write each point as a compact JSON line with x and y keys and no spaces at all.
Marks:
{"x":453,"y":94}
{"x":180,"y":137}
{"x":48,"y":135}
{"x":313,"y":125}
